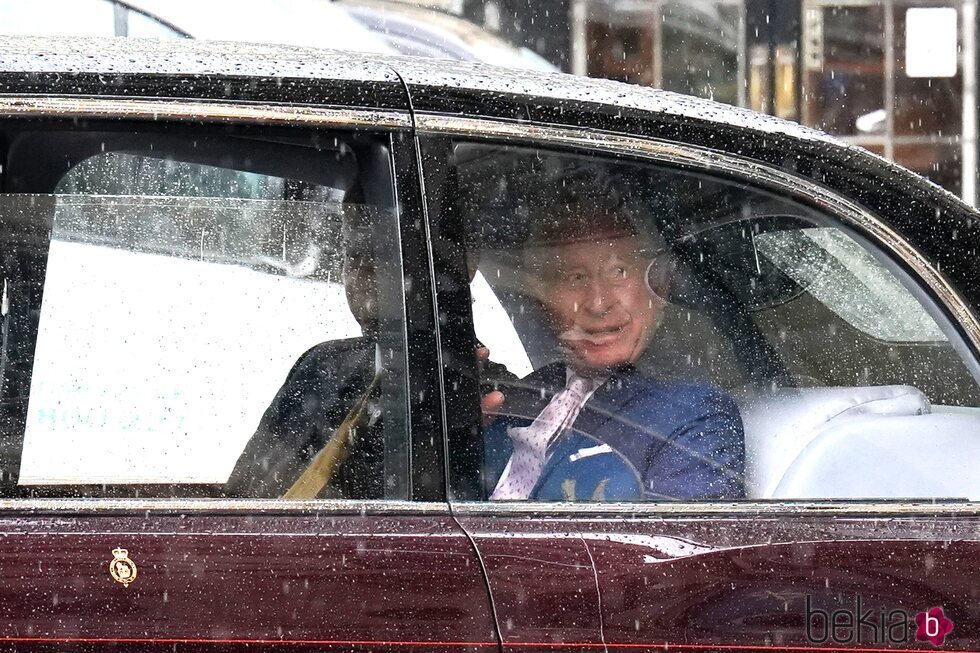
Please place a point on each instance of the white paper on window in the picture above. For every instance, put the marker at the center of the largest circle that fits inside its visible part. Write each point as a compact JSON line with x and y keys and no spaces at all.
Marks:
{"x":931,"y":42}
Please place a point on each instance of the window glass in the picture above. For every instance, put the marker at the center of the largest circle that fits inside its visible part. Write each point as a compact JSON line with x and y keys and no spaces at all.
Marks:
{"x":118,"y":173}
{"x":57,"y":18}
{"x":690,"y":338}
{"x":207,"y":323}
{"x":495,"y":329}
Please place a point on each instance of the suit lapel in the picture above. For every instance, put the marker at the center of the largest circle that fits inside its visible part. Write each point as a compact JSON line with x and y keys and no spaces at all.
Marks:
{"x":525,"y":399}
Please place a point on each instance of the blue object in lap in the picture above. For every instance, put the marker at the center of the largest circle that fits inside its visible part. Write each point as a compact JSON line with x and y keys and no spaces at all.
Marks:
{"x":636,"y":439}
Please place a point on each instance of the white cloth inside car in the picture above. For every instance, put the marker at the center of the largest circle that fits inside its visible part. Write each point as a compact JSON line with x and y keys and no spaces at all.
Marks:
{"x":858,"y":442}
{"x":931,"y":456}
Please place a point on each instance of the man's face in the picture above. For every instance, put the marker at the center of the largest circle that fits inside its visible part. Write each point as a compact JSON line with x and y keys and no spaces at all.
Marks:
{"x":360,"y":281}
{"x":595,"y":292}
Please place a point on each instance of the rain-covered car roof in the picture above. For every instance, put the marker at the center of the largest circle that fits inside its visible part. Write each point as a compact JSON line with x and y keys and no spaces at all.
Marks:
{"x":119,"y":56}
{"x":195,"y":69}
{"x":131,"y":56}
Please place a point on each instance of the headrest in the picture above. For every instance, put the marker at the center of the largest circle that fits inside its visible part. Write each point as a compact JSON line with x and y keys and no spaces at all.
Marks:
{"x":883,"y":457}
{"x":780,"y":424}
{"x":808,"y":407}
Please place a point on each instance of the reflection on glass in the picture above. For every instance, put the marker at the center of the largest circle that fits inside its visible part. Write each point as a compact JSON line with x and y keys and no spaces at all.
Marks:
{"x":210,"y":320}
{"x":845,"y":72}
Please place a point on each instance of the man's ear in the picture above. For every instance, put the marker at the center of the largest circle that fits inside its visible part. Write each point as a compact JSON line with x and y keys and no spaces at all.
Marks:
{"x":658,"y":275}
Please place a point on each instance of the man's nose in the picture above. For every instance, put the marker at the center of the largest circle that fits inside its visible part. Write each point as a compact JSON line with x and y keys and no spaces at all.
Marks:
{"x":598,"y":297}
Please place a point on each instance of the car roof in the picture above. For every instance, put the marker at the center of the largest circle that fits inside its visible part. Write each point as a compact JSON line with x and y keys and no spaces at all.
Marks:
{"x":192,"y":57}
{"x":183,"y":57}
{"x":570,"y":89}
{"x":190,"y":68}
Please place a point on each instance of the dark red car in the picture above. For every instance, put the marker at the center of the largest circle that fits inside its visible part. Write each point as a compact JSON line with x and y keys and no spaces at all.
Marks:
{"x":180,"y":357}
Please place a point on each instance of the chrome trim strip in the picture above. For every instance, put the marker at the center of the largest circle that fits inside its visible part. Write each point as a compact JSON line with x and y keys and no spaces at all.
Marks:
{"x":734,"y":509}
{"x":192,"y":110}
{"x":497,"y":508}
{"x":251,"y":506}
{"x":711,"y":160}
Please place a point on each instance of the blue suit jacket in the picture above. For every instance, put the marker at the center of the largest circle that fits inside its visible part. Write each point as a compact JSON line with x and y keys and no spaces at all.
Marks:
{"x":636,"y":439}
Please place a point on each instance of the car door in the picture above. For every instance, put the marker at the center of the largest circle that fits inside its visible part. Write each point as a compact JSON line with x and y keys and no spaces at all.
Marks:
{"x":176,"y":339}
{"x":773,"y":466}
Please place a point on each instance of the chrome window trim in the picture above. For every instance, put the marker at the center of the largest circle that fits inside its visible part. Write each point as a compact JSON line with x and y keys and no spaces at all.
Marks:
{"x":203,"y":506}
{"x":749,"y":507}
{"x":713,"y":161}
{"x":476,"y":508}
{"x":199,"y":110}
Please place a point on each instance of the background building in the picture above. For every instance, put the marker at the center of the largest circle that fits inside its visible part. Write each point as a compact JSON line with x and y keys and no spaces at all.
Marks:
{"x":897,"y":77}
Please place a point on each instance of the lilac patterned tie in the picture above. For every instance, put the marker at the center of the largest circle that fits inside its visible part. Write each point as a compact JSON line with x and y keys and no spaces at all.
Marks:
{"x":531,"y":442}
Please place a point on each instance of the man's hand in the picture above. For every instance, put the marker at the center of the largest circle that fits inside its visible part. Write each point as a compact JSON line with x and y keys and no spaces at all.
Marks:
{"x":490,"y":403}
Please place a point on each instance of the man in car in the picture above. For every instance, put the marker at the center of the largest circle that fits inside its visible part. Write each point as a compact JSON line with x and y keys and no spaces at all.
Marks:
{"x":332,"y":386}
{"x":593,"y":427}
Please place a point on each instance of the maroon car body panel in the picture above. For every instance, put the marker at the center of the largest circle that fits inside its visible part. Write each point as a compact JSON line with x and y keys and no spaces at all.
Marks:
{"x":716,"y":582}
{"x":542,"y":581}
{"x":334,"y":581}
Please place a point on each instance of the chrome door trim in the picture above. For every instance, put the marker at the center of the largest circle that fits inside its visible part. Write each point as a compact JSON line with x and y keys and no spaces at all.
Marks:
{"x":752,"y":507}
{"x":200,"y":506}
{"x":715,"y":161}
{"x":199,"y":110}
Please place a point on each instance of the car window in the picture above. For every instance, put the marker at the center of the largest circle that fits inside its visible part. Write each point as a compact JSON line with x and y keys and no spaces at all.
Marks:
{"x":120,"y":173}
{"x":691,"y":338}
{"x":495,"y":329}
{"x":57,"y":17}
{"x":208,"y":314}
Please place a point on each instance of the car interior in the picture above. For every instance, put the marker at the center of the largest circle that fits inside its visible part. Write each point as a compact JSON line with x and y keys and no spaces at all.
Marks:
{"x":851,"y":382}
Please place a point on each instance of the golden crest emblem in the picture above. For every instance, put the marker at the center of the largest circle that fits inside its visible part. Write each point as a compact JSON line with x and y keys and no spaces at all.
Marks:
{"x":121,"y":568}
